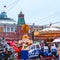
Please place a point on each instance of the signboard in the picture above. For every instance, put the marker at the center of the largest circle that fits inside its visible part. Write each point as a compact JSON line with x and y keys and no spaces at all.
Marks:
{"x":34,"y":53}
{"x":34,"y":50}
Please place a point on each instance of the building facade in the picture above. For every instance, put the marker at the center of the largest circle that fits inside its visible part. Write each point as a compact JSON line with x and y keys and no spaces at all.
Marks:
{"x":12,"y":31}
{"x":7,"y":26}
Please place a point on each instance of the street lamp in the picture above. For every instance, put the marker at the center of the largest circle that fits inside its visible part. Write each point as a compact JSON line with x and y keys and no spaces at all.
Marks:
{"x":33,"y":36}
{"x":33,"y":32}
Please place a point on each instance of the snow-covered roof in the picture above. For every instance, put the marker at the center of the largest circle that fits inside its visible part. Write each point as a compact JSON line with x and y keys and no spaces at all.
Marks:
{"x":51,"y":29}
{"x":7,"y":22}
{"x":4,"y":19}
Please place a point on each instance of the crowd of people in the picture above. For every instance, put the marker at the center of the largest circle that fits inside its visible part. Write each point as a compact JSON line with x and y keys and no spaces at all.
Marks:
{"x":7,"y":52}
{"x":6,"y":55}
{"x":49,"y":50}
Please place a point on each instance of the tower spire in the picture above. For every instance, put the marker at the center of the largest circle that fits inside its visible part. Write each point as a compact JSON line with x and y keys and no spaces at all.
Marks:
{"x":21,"y":19}
{"x":4,"y":8}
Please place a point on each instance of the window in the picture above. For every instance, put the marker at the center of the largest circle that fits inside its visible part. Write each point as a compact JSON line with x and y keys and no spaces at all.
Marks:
{"x":8,"y":29}
{"x":12,"y":29}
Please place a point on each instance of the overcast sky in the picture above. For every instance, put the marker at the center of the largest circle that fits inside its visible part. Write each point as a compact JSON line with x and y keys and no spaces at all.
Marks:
{"x":40,"y":12}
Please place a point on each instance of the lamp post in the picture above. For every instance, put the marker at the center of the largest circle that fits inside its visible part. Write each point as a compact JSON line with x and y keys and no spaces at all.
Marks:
{"x":33,"y":32}
{"x":33,"y":36}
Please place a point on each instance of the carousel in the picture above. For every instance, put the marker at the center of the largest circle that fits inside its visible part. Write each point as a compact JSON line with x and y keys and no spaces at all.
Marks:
{"x":48,"y":34}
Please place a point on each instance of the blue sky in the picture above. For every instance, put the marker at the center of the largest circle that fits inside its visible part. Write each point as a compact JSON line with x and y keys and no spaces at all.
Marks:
{"x":40,"y":12}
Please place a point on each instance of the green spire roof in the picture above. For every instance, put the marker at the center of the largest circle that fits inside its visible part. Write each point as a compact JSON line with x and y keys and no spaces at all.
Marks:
{"x":20,"y":12}
{"x":21,"y":19}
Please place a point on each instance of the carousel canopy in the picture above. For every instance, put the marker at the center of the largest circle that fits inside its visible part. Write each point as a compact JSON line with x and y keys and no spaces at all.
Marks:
{"x":57,"y":40}
{"x":51,"y":29}
{"x":36,"y":33}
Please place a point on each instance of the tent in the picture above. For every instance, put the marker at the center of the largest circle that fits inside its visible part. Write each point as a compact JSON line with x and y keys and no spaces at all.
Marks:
{"x":57,"y":40}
